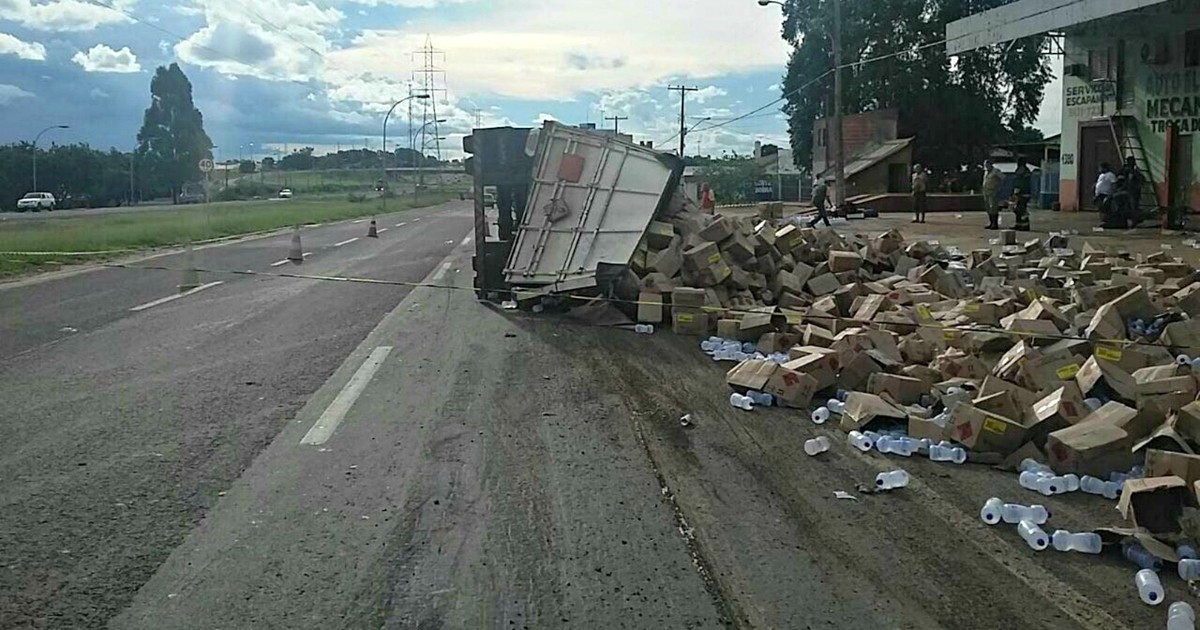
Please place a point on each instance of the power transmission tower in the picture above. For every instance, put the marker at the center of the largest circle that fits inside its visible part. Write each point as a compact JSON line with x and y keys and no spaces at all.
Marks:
{"x":617,"y":123}
{"x":427,"y":81}
{"x":683,"y":90}
{"x":478,"y":113}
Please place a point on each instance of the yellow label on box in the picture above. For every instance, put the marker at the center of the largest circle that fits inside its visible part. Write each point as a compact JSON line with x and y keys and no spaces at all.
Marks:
{"x":715,"y":258}
{"x":685,"y":317}
{"x":949,"y":335}
{"x":923,"y":312}
{"x":1031,"y":294}
{"x":994,"y":425}
{"x":971,"y":308}
{"x":1108,"y":354}
{"x":1068,"y":371}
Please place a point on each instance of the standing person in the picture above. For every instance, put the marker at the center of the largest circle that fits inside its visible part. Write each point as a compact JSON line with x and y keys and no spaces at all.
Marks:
{"x":708,"y":201}
{"x":992,"y":177}
{"x":1106,"y":184}
{"x":820,"y":199}
{"x":1133,"y":186}
{"x":920,"y":186}
{"x":1022,"y":189}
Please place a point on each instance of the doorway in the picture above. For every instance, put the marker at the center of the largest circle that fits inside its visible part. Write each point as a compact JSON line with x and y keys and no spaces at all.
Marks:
{"x":1096,"y":146}
{"x":898,"y":181}
{"x":1178,"y":196}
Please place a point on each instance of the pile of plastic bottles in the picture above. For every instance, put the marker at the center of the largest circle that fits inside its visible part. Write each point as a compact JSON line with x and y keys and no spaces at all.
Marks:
{"x":750,"y":399}
{"x":733,"y":350}
{"x":898,"y":443}
{"x":1029,"y":519}
{"x":1039,"y":477}
{"x":1139,"y":327}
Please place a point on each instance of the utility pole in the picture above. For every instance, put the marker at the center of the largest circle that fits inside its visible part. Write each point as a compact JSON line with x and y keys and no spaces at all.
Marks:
{"x":131,"y":154}
{"x":683,"y":90}
{"x":617,"y":123}
{"x":839,"y":146}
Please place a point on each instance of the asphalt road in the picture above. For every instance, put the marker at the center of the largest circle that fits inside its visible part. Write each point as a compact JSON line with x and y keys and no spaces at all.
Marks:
{"x":123,"y":427}
{"x":283,"y":454}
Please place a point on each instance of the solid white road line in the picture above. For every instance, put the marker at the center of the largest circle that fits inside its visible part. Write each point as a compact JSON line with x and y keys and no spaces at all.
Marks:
{"x":346,"y":242}
{"x":280,"y":263}
{"x":323,"y":429}
{"x":400,"y":224}
{"x":466,"y":241}
{"x":441,"y":272}
{"x":381,"y":230}
{"x":172,"y":298}
{"x":359,"y":221}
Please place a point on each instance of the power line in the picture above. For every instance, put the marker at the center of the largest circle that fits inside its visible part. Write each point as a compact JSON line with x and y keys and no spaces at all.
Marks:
{"x":683,"y":92}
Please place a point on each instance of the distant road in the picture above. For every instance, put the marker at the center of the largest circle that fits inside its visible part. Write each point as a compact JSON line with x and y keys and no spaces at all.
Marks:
{"x":91,"y":212}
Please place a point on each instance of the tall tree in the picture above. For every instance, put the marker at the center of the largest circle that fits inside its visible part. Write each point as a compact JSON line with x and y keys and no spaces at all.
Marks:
{"x":172,"y":141}
{"x":954,"y":107}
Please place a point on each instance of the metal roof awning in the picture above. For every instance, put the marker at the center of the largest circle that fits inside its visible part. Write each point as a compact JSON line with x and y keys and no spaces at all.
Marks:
{"x":1030,"y":17}
{"x":591,"y":200}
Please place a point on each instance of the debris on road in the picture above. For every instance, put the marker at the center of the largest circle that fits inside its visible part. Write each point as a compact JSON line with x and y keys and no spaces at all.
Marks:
{"x":840,"y":494}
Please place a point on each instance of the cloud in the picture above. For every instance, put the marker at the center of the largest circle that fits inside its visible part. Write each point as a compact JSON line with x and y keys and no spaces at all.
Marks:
{"x":97,"y":93}
{"x":101,"y":58}
{"x":63,"y":15}
{"x":10,"y":45}
{"x":238,"y":40}
{"x":10,"y":93}
{"x":707,"y":94}
{"x":518,"y":49}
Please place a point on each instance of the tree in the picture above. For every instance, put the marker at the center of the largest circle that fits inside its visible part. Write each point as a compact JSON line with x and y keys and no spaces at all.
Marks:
{"x":732,"y":178}
{"x":268,"y":164}
{"x":246,"y":167}
{"x":172,"y":141}
{"x":954,"y":107}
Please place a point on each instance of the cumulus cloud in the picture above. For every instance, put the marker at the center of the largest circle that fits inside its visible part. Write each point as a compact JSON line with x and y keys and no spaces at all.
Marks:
{"x":101,"y":58}
{"x":10,"y":93}
{"x":63,"y":15}
{"x":10,"y":45}
{"x":708,"y":93}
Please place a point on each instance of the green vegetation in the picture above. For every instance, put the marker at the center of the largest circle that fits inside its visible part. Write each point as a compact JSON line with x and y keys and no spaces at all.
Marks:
{"x":160,"y":228}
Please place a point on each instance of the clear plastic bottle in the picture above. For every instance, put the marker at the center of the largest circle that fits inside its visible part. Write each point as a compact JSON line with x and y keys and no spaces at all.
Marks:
{"x":1187,"y":551}
{"x":1092,"y":485}
{"x":836,"y":406}
{"x":1033,"y":535}
{"x":816,"y":446}
{"x":860,"y":441}
{"x":1138,"y":555}
{"x":741,"y":402}
{"x":749,"y":347}
{"x":1033,"y":465}
{"x":820,"y":415}
{"x":1072,"y":481}
{"x":762,"y":399}
{"x":1149,"y":587}
{"x":1181,"y":616}
{"x":644,"y":329}
{"x":990,"y":513}
{"x":1083,"y":542}
{"x":1189,"y":569}
{"x":939,"y":453}
{"x":891,"y":480}
{"x":1183,"y":359}
{"x":842,"y":395}
{"x":1093,"y":403}
{"x":1015,"y":513}
{"x":894,"y":446}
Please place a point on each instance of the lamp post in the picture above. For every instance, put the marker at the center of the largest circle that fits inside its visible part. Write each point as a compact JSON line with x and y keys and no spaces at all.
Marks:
{"x":383,"y":158}
{"x":35,"y":141}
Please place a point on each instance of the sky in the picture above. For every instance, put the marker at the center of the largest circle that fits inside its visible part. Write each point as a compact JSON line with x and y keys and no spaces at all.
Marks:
{"x":273,"y":75}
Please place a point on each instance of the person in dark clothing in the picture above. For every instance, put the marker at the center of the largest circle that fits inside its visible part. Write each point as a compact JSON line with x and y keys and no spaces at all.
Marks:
{"x":820,"y":199}
{"x":920,"y":191}
{"x":1022,"y":189}
{"x":1133,"y":189}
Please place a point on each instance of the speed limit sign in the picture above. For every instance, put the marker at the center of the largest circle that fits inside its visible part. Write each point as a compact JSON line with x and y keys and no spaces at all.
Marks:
{"x":206,"y":165}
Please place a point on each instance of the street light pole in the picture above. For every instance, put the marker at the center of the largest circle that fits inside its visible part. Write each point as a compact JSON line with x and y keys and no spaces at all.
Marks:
{"x":383,"y":158}
{"x":35,"y":141}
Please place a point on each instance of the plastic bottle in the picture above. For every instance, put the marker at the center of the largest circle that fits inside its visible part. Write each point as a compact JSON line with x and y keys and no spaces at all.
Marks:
{"x":836,"y":406}
{"x":1183,"y":359}
{"x":1093,"y":403}
{"x":1181,"y":616}
{"x":990,"y":513}
{"x":1149,"y":587}
{"x":1189,"y":569}
{"x":1092,"y":485}
{"x":761,"y":399}
{"x":820,"y":415}
{"x":891,"y":480}
{"x":741,"y":402}
{"x":1083,"y":542}
{"x":644,"y":329}
{"x":939,"y":453}
{"x":895,"y":446}
{"x":1033,"y":465}
{"x":1072,"y":481}
{"x":1187,"y":551}
{"x":1138,"y":555}
{"x":1015,"y":513}
{"x":842,"y":395}
{"x":1033,"y":535}
{"x":860,"y":441}
{"x":749,"y":347}
{"x":816,"y":446}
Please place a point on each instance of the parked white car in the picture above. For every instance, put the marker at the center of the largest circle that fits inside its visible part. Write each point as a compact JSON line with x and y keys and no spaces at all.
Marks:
{"x":36,"y":201}
{"x":286,"y":193}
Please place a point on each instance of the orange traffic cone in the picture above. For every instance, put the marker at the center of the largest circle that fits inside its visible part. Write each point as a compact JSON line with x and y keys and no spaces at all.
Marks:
{"x":372,"y":232}
{"x":296,"y":255}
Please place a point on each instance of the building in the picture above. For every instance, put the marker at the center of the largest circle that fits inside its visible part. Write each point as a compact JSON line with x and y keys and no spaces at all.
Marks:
{"x":780,"y":172}
{"x":877,"y":160}
{"x":1131,"y":87}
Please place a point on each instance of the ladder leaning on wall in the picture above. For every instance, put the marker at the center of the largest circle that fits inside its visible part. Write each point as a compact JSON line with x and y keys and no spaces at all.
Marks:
{"x":1129,"y":143}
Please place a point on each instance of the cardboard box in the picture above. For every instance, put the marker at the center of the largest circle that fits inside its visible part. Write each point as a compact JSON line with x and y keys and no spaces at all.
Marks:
{"x":1106,"y":324}
{"x":814,"y":335}
{"x":1062,"y":408}
{"x":718,"y":230}
{"x":1154,"y":503}
{"x":823,"y":284}
{"x":760,"y":321}
{"x":689,"y":321}
{"x":660,"y":234}
{"x":1161,"y":463}
{"x":984,"y":431}
{"x":1118,"y":382}
{"x":688,"y":297}
{"x":822,"y":367}
{"x":921,"y":428}
{"x":1001,"y":404}
{"x":650,"y":307}
{"x":751,"y":374}
{"x":844,"y":261}
{"x":957,"y":364}
{"x":1090,"y":448}
{"x":792,"y":388}
{"x":667,"y":261}
{"x":1025,"y":398}
{"x":729,"y":329}
{"x":863,"y":409}
{"x":901,"y":389}
{"x":775,"y":342}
